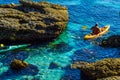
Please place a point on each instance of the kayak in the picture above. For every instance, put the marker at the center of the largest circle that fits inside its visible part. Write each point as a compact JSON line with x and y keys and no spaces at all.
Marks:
{"x":103,"y":31}
{"x":13,"y":47}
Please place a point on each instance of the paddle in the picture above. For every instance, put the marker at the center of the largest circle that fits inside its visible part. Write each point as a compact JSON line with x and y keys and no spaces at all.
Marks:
{"x":84,"y":27}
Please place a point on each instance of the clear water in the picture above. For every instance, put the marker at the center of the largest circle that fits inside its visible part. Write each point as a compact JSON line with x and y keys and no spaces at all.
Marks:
{"x":69,"y":46}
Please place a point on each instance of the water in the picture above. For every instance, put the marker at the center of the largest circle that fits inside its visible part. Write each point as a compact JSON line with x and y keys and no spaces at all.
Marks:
{"x":52,"y":61}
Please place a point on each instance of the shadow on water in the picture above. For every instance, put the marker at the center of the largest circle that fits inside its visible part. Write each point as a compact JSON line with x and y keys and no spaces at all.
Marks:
{"x":21,"y":55}
{"x":53,"y":65}
{"x":84,"y":55}
{"x":70,"y":74}
{"x":11,"y":74}
{"x":61,"y":47}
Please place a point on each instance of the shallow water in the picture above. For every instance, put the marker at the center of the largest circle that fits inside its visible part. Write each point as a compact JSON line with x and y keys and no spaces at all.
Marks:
{"x":52,"y":61}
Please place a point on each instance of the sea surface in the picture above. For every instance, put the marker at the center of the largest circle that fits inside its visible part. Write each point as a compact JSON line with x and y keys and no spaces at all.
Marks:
{"x":52,"y":61}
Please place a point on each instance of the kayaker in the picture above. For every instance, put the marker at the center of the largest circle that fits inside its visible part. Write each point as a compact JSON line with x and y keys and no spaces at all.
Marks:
{"x":95,"y":29}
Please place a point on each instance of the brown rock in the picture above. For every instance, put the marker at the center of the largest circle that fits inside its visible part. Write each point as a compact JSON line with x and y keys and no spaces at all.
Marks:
{"x":111,"y":78}
{"x":18,"y":64}
{"x":31,"y":21}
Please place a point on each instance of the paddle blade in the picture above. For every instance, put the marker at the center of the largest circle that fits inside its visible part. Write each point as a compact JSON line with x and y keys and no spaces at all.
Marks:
{"x":84,"y":27}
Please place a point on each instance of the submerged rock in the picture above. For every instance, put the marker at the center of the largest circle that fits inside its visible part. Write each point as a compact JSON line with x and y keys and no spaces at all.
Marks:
{"x":53,"y":65}
{"x":112,"y":41}
{"x":61,"y":47}
{"x":100,"y":69}
{"x":18,"y":64}
{"x":31,"y":21}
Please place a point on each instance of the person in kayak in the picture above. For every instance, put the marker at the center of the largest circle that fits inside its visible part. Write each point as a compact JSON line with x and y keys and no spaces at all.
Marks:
{"x":95,"y":29}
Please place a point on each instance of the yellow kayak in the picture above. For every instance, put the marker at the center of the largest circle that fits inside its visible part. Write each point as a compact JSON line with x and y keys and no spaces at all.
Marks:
{"x":103,"y":31}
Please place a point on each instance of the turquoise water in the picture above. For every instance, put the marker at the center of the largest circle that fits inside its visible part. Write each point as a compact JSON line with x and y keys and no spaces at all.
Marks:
{"x":52,"y":61}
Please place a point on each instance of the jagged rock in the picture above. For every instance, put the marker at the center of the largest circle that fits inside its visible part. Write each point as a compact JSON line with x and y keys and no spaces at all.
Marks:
{"x":112,"y":41}
{"x":18,"y":64}
{"x":31,"y":21}
{"x":99,"y":69}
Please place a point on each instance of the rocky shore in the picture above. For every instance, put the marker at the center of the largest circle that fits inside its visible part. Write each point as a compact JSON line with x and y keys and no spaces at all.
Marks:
{"x":106,"y":69}
{"x":30,"y":22}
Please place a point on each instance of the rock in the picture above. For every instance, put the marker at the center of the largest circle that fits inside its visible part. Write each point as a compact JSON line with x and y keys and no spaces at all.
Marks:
{"x":18,"y":64}
{"x":99,"y":69}
{"x":112,"y":41}
{"x":111,"y":78}
{"x":79,"y":64}
{"x":31,"y":22}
